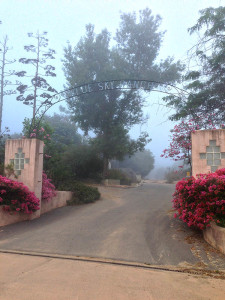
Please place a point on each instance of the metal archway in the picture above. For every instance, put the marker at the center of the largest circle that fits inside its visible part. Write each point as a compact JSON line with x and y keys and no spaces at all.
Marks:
{"x":104,"y":86}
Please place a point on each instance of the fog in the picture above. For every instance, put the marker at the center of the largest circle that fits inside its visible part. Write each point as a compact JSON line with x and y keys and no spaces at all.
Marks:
{"x":65,"y":21}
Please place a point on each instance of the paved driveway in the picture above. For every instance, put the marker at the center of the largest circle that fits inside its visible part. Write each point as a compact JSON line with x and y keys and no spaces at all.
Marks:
{"x":134,"y":224}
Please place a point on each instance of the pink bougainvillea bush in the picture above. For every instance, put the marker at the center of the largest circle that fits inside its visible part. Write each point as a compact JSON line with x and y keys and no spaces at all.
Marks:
{"x":48,"y":189}
{"x":15,"y":196}
{"x":202,"y":200}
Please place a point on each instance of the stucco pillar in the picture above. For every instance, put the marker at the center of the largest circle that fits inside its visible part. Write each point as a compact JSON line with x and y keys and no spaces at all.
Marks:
{"x":208,"y":151}
{"x":26,"y":155}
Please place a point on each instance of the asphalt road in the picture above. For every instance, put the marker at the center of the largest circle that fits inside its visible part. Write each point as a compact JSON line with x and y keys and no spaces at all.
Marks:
{"x":134,"y":224}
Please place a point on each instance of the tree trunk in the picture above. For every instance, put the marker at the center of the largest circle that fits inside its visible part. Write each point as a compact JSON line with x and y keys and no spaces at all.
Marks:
{"x":105,"y":167}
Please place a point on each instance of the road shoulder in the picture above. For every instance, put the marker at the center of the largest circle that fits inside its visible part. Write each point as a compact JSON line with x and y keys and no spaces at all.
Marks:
{"x":32,"y":277}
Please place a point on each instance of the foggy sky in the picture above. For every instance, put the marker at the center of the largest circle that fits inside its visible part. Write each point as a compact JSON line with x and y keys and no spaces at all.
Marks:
{"x":65,"y":20}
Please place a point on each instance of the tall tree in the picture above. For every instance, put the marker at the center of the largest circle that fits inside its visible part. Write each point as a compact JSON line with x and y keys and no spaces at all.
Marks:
{"x":64,"y":130}
{"x":64,"y":136}
{"x":39,"y":89}
{"x":138,"y":44}
{"x":4,"y":74}
{"x":111,"y":114}
{"x":206,"y":83}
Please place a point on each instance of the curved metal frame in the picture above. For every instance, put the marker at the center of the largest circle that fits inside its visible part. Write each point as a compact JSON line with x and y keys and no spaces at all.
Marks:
{"x":103,"y":86}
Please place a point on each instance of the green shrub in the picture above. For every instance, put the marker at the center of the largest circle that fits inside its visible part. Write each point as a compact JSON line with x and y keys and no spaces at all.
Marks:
{"x":82,"y":193}
{"x":119,"y":175}
{"x":115,"y":174}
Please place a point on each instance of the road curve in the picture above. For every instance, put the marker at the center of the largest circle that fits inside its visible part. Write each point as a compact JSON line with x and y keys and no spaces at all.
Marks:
{"x":134,"y":224}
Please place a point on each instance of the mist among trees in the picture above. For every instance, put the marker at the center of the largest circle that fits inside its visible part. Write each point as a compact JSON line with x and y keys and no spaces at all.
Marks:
{"x":106,"y":118}
{"x":111,"y":115}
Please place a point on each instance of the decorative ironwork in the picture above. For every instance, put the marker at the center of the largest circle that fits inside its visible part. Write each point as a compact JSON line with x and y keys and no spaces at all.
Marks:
{"x":104,"y":86}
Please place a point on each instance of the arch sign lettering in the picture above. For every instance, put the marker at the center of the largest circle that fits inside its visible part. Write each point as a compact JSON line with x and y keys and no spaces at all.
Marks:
{"x":113,"y":85}
{"x":105,"y":86}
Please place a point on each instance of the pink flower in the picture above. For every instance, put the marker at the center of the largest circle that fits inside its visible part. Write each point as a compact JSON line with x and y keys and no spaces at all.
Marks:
{"x":25,"y":201}
{"x":48,"y":189}
{"x":190,"y":200}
